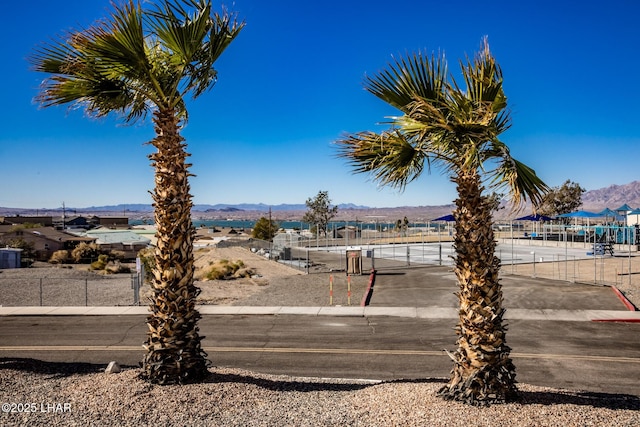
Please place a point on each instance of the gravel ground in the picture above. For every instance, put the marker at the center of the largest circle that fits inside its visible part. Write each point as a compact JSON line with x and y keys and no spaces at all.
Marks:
{"x":59,"y":286}
{"x":78,"y":395}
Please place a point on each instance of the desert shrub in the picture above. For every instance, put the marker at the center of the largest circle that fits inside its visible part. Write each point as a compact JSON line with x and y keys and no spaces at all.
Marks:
{"x":60,"y":257}
{"x":116,"y":267}
{"x":244,"y":272}
{"x":116,"y":255}
{"x":148,"y":260}
{"x":224,"y":269}
{"x":101,"y":263}
{"x":85,"y":252}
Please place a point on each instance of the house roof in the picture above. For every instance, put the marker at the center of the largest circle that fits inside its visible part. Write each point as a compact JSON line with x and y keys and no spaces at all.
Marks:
{"x":107,"y":236}
{"x":50,"y":233}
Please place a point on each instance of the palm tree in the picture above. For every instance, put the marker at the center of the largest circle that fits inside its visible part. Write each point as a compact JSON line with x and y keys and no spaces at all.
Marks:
{"x":136,"y":62}
{"x":456,"y":129}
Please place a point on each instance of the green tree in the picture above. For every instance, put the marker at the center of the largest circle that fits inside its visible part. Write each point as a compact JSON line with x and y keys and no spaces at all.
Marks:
{"x":140,"y":61}
{"x":495,"y":200}
{"x":28,"y":249}
{"x":402,"y":225}
{"x":264,"y":229}
{"x":561,"y":200}
{"x":320,"y":212}
{"x":456,"y":128}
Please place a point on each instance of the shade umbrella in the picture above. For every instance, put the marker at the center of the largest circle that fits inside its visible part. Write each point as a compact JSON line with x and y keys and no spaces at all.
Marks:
{"x":534,"y":217}
{"x":606,"y":212}
{"x":622,"y":210}
{"x":580,"y":214}
{"x":448,"y":218}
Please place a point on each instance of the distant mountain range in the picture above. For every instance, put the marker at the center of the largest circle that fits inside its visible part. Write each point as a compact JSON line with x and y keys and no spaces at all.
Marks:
{"x":221,"y":207}
{"x":612,"y":197}
{"x":593,"y":200}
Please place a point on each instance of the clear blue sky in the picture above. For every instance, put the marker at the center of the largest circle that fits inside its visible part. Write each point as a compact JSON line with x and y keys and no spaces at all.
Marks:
{"x":291,"y":84}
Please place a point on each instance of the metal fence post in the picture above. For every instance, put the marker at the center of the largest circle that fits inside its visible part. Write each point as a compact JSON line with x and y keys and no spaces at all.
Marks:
{"x":534,"y":263}
{"x":86,"y":293}
{"x":41,"y":292}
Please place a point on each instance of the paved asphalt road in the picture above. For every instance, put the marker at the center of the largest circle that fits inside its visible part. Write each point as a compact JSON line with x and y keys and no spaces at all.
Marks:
{"x":599,"y":357}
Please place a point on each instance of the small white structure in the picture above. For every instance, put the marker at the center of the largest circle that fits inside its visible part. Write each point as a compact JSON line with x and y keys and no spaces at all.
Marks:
{"x":633,"y":217}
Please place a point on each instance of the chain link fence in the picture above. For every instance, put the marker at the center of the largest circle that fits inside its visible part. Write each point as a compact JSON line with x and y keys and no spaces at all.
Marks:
{"x":17,"y":289}
{"x":563,"y":257}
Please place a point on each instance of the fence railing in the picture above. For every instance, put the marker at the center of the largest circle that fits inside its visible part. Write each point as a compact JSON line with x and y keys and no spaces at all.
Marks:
{"x":572,"y":261}
{"x":117,"y":290}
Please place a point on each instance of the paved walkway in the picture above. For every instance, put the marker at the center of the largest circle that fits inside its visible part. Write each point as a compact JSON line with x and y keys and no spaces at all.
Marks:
{"x":411,"y":312}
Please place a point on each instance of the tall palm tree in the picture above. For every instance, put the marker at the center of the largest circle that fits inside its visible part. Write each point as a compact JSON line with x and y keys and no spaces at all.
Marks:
{"x":136,"y":62}
{"x":456,"y":129}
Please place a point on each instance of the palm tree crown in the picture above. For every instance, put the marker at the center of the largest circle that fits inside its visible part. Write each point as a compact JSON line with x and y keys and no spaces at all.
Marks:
{"x":455,"y":128}
{"x":452,"y":127}
{"x":138,"y":60}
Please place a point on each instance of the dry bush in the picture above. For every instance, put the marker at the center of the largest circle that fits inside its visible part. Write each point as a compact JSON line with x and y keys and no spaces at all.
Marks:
{"x":244,"y":272}
{"x":101,"y":263}
{"x":117,"y":255}
{"x":85,"y":252}
{"x":223,"y":269}
{"x":116,"y":268}
{"x":60,"y":257}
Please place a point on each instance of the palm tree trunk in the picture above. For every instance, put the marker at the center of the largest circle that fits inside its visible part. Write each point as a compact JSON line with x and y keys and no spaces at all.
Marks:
{"x":483,"y":372}
{"x":174,"y":352}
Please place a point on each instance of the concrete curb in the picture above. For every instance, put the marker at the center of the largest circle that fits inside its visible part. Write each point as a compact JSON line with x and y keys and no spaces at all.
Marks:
{"x":336,"y":311}
{"x":624,"y":299}
{"x":366,"y":298}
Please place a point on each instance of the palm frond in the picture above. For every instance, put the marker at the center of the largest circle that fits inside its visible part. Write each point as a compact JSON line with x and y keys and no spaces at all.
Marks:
{"x":454,"y":128}
{"x":409,"y":78}
{"x":520,"y":180}
{"x":389,"y":157}
{"x":136,"y":60}
{"x":195,"y":40}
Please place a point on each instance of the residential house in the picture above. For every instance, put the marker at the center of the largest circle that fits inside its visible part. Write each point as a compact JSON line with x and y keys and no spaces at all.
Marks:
{"x":45,"y":221}
{"x":44,"y":240}
{"x":119,"y":240}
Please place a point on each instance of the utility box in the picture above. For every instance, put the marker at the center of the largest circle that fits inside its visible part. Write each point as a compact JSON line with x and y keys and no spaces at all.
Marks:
{"x":354,"y":260}
{"x":10,"y":257}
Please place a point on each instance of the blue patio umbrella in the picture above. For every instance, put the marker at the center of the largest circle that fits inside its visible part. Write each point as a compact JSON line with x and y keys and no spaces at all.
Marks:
{"x":580,"y":214}
{"x":611,"y":213}
{"x":534,"y":217}
{"x":624,"y":208}
{"x":607,"y":212}
{"x":448,"y":218}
